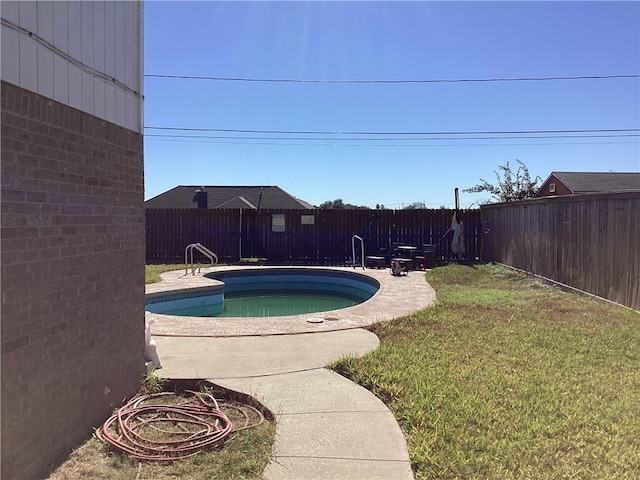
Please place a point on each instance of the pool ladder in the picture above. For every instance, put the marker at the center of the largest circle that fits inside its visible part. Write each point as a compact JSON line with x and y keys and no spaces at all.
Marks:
{"x":188,"y":260}
{"x":353,"y":250}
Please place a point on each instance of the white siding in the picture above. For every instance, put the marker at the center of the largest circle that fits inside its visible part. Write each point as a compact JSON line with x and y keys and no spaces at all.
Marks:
{"x":119,"y":40}
{"x":86,"y":31}
{"x":28,"y":60}
{"x":45,"y":20}
{"x":11,"y":12}
{"x":9,"y":61}
{"x":45,"y":71}
{"x":85,"y":54}
{"x":109,"y":39}
{"x":99,"y":89}
{"x":61,"y":26}
{"x":110,"y":101}
{"x":88,"y":96}
{"x":28,"y":16}
{"x":98,"y":36}
{"x":61,"y":80}
{"x":75,"y":34}
{"x":75,"y":87}
{"x":120,"y":105}
{"x":131,"y":70}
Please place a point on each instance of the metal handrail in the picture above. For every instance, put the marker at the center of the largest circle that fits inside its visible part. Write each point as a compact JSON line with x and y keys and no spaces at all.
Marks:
{"x":353,"y":250}
{"x":202,"y":249}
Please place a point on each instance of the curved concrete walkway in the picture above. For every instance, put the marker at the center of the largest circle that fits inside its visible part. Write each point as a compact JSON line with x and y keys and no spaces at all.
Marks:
{"x":327,"y":427}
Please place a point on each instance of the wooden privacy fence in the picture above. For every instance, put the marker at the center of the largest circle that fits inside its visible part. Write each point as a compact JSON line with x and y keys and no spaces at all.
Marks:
{"x":306,"y":236}
{"x":589,"y":242}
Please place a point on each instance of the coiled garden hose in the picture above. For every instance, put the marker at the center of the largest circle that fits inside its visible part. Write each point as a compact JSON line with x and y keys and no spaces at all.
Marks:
{"x":147,"y":429}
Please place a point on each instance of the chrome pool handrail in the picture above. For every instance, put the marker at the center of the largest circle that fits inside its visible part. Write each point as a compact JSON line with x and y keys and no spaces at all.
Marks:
{"x":202,"y":249}
{"x":353,"y":250}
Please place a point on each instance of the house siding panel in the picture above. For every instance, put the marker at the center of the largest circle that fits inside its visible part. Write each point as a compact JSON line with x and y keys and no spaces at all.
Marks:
{"x":102,"y":38}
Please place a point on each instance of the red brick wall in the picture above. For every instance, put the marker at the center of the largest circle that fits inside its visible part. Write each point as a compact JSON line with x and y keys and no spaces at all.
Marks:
{"x":72,"y":277}
{"x":560,"y":188}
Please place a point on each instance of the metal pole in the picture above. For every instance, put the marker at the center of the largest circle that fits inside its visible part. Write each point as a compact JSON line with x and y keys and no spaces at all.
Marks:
{"x":240,"y":238}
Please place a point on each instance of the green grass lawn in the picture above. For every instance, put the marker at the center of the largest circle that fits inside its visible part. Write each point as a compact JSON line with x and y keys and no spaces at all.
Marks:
{"x":152,"y":272}
{"x":505,"y":377}
{"x":243,"y":456}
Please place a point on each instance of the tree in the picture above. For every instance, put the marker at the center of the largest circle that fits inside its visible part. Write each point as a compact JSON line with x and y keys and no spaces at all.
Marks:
{"x":415,"y":206}
{"x":338,"y":204}
{"x":510,"y":187}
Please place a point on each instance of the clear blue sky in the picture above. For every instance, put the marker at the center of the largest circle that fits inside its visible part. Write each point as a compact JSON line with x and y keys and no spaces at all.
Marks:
{"x":392,"y":41}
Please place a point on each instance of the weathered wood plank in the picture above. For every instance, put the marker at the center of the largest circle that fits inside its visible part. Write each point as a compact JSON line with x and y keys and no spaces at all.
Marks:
{"x":590,"y":242}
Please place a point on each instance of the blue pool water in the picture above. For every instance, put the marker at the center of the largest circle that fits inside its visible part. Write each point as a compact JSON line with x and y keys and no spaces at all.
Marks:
{"x":268,"y":293}
{"x":269,"y":304}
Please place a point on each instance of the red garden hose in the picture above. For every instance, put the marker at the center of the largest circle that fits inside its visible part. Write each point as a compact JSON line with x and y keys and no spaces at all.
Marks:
{"x":167,"y":432}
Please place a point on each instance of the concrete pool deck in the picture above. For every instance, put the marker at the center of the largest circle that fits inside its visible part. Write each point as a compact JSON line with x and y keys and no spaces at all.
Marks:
{"x":398,"y":296}
{"x":327,"y":427}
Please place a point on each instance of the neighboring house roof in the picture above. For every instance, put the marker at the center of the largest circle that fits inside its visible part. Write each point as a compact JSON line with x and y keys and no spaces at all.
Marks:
{"x":237,"y":202}
{"x":248,"y":197}
{"x":589,"y":182}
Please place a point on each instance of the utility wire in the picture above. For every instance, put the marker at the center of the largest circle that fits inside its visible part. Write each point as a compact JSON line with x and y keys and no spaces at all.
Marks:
{"x":402,"y":139}
{"x":56,"y":51}
{"x":388,"y":139}
{"x":461,"y":144}
{"x":320,"y":132}
{"x":458,"y":80}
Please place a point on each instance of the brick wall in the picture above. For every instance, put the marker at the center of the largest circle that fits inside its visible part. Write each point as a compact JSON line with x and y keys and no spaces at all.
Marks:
{"x":72,"y":277}
{"x":559,"y":188}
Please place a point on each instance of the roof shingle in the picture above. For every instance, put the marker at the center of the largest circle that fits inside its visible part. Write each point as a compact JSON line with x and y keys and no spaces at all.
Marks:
{"x":250,"y":197}
{"x":596,"y":182}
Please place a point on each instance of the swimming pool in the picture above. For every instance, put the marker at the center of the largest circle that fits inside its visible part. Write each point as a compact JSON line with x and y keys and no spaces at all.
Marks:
{"x":266,"y":293}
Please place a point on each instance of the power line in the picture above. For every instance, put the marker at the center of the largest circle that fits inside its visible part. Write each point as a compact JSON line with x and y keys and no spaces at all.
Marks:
{"x":458,"y":80}
{"x":389,"y":139}
{"x":285,"y":144}
{"x":460,"y":138}
{"x":432,"y":133}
